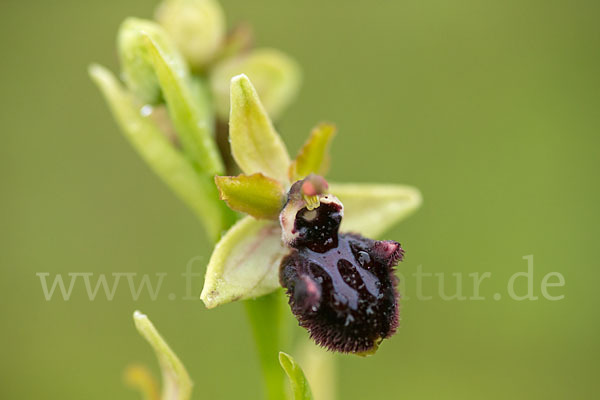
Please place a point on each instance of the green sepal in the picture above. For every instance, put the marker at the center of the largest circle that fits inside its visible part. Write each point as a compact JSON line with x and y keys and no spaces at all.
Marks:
{"x":244,"y":263}
{"x":371,"y":209}
{"x":255,"y":145}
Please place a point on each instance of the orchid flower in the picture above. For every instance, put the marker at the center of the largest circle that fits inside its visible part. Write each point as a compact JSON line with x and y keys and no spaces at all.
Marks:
{"x":292,"y":226}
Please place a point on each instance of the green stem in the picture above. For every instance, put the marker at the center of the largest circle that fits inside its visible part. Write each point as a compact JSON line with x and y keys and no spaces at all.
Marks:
{"x":266,"y":320}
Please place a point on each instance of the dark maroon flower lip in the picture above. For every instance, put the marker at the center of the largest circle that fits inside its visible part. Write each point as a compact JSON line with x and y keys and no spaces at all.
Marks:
{"x":341,"y":287}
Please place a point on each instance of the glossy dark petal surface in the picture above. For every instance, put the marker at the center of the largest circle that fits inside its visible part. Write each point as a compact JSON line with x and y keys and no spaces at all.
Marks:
{"x":345,"y":296}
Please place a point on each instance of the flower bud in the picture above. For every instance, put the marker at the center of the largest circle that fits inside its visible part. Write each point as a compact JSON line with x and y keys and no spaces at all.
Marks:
{"x":275,"y":76}
{"x":136,"y":60}
{"x":196,"y":26}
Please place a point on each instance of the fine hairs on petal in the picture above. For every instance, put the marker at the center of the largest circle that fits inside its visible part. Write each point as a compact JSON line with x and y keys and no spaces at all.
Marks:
{"x":341,"y":286}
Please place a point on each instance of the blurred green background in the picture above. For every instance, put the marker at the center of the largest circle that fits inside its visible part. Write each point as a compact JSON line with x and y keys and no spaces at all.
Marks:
{"x":491,"y":108}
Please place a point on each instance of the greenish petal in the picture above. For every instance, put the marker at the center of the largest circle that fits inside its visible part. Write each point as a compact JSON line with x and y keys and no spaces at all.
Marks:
{"x":196,"y":26}
{"x":136,"y":63}
{"x":177,"y":384}
{"x":371,"y":209}
{"x":189,"y":108}
{"x":313,"y":157}
{"x":256,"y":195}
{"x":198,"y":192}
{"x":255,"y":145}
{"x":300,"y":387}
{"x":245,"y":263}
{"x":275,"y":75}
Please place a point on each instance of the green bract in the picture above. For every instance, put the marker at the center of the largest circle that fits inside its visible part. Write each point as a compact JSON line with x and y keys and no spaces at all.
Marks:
{"x":245,"y":262}
{"x":194,"y":187}
{"x":136,"y":62}
{"x":188,"y":109}
{"x":177,"y":384}
{"x":300,"y":388}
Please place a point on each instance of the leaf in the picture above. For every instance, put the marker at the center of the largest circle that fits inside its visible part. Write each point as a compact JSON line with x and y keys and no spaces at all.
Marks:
{"x":189,"y":108}
{"x":255,"y":145}
{"x":371,"y":209}
{"x":198,"y":192}
{"x":245,"y":263}
{"x":257,"y":195}
{"x":300,"y":388}
{"x":313,"y":157}
{"x":275,"y":75}
{"x":177,"y":384}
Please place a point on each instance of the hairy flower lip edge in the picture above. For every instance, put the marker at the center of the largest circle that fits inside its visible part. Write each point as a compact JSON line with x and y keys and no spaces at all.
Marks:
{"x":315,"y":312}
{"x":315,"y":242}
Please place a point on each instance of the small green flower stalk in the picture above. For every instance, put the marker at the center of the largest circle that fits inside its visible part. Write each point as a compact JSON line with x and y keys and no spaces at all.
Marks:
{"x":279,"y":225}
